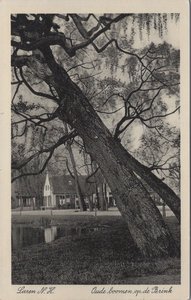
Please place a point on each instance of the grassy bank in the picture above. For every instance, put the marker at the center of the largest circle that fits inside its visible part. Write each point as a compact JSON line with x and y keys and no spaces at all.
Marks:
{"x":106,"y":256}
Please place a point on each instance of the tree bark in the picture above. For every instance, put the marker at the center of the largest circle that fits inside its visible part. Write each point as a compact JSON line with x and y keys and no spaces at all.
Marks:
{"x":144,"y":220}
{"x":162,"y":189}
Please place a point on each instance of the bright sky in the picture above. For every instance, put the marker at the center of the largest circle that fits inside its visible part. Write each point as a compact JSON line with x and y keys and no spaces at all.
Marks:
{"x":172,"y":36}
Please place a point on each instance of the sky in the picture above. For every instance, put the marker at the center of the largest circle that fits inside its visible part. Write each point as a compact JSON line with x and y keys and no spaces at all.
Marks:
{"x":172,"y":36}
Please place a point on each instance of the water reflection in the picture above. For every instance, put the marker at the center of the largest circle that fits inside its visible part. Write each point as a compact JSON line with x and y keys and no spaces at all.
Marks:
{"x":23,"y":236}
{"x":50,"y":234}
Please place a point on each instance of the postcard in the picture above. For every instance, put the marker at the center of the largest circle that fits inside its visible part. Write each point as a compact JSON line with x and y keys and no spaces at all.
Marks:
{"x":94,"y":159}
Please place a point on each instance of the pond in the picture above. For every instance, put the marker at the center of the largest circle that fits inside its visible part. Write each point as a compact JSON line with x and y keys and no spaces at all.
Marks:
{"x":23,"y":236}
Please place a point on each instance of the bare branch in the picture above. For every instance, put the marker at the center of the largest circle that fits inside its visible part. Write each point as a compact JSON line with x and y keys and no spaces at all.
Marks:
{"x":91,"y":175}
{"x":35,"y":173}
{"x":85,"y":34}
{"x":69,"y":171}
{"x":40,"y":94}
{"x":60,"y":142}
{"x":109,"y":113}
{"x":57,"y":38}
{"x":160,"y":166}
{"x":160,"y":116}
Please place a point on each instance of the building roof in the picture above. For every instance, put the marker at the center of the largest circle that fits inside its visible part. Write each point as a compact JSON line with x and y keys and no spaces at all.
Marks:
{"x":66,"y":184}
{"x":29,"y":186}
{"x":33,"y":186}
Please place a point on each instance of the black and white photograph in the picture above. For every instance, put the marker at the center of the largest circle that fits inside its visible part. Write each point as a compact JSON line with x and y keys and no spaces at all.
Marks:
{"x":96,"y":141}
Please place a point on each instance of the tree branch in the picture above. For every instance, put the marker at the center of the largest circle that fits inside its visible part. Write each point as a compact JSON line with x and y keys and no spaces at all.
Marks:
{"x":57,"y":38}
{"x":35,"y":173}
{"x":40,"y":94}
{"x":60,"y":142}
{"x":91,"y":175}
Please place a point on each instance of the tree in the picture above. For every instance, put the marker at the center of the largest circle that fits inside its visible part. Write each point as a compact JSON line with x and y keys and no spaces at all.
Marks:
{"x":39,"y":34}
{"x":76,"y":179}
{"x":161,"y":153}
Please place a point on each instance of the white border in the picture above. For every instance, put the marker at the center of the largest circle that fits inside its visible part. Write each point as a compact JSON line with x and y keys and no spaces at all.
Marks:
{"x":70,"y":292}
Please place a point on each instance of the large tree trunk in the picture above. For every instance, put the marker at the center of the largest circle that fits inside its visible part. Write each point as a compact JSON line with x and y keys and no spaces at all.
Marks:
{"x":144,"y":220}
{"x":162,"y":189}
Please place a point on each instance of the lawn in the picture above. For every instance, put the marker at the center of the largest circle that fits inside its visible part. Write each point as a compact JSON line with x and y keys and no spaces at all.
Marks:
{"x":106,"y":256}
